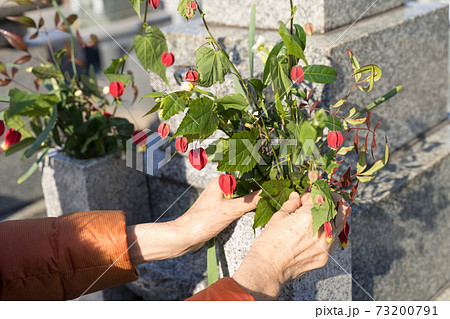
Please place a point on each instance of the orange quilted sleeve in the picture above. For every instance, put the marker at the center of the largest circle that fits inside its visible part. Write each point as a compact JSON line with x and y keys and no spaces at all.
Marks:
{"x":59,"y":258}
{"x":226,"y":289}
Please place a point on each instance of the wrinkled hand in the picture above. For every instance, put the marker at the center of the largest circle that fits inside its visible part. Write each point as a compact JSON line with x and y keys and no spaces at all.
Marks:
{"x":286,"y":248}
{"x":212,"y":213}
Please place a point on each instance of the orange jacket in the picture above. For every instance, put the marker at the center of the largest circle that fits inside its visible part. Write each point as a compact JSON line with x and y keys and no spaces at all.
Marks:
{"x":62,"y":258}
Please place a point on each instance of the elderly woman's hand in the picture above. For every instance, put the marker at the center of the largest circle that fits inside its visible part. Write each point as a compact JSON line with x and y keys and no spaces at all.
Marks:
{"x":286,"y":248}
{"x":212,"y":213}
{"x":209,"y":215}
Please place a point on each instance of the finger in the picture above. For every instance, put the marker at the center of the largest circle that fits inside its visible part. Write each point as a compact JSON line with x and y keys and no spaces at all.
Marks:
{"x":292,"y":204}
{"x":245,"y":204}
{"x":307,"y":200}
{"x":343,"y":210}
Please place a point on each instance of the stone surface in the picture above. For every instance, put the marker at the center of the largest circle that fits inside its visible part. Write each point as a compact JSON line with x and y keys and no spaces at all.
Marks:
{"x":400,"y":229}
{"x":372,"y":41}
{"x":324,"y":14}
{"x":71,"y":185}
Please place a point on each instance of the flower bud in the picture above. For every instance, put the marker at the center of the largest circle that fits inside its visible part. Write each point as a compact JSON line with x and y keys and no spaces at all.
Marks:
{"x":343,"y":236}
{"x":153,"y":3}
{"x":320,"y":199}
{"x":198,"y":158}
{"x":11,"y":137}
{"x":168,"y":59}
{"x":297,"y":74}
{"x":329,"y":232}
{"x":163,"y":130}
{"x":191,"y":5}
{"x":2,"y":127}
{"x":227,"y":184}
{"x":181,"y":143}
{"x":116,"y":89}
{"x":335,"y":140}
{"x":313,"y":176}
{"x":192,"y":76}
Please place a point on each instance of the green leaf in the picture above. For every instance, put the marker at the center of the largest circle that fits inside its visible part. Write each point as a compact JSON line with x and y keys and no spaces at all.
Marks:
{"x":362,"y":162}
{"x":273,"y":54}
{"x":182,"y":6}
{"x":378,"y":166}
{"x":24,"y":143}
{"x":251,"y":39}
{"x":200,"y":119}
{"x":320,"y":74}
{"x":154,"y":95}
{"x":308,"y":132}
{"x":212,"y":66}
{"x":293,"y":46}
{"x":18,"y":124}
{"x":234,"y":101}
{"x":46,"y":72}
{"x":113,"y":72}
{"x":242,"y":155}
{"x":33,"y":167}
{"x":326,"y":211}
{"x":216,"y":150}
{"x":333,"y":123}
{"x":377,"y":102}
{"x":294,"y":130}
{"x":355,"y":65}
{"x":345,"y":150}
{"x":213,"y":274}
{"x":154,"y":109}
{"x":280,"y":76}
{"x":301,"y":35}
{"x":355,"y":121}
{"x":172,"y":104}
{"x":149,"y":49}
{"x":19,"y":100}
{"x":137,"y":7}
{"x":274,"y":194}
{"x":37,"y":144}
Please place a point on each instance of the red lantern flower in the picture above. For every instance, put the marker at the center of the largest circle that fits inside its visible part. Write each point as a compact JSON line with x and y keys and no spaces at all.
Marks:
{"x":163,"y":130}
{"x":192,"y":76}
{"x":328,"y":231}
{"x":107,"y":115}
{"x":343,"y":236}
{"x":198,"y":158}
{"x":116,"y":89}
{"x":139,"y":138}
{"x":335,"y":140}
{"x":297,"y":74}
{"x":227,"y":184}
{"x":2,"y":128}
{"x":191,"y":5}
{"x":153,"y":3}
{"x":320,"y":199}
{"x":181,"y":143}
{"x":168,"y":59}
{"x":11,"y":137}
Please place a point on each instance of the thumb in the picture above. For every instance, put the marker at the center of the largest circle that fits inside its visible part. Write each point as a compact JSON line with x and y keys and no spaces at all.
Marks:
{"x":245,"y":204}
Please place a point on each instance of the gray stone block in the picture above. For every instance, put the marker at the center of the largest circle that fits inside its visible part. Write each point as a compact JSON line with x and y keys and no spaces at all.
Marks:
{"x":71,"y":185}
{"x":324,"y":14}
{"x":400,"y":230}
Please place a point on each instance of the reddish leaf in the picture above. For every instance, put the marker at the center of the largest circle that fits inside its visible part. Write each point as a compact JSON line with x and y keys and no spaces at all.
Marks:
{"x":4,"y":82}
{"x":26,"y":21}
{"x":79,"y":39}
{"x":135,"y":93}
{"x":346,"y":179}
{"x":15,"y":40}
{"x":313,"y":107}
{"x":13,"y":72}
{"x":3,"y":69}
{"x":56,"y":19}
{"x":375,"y":129}
{"x":37,"y":84}
{"x":354,"y":190}
{"x":374,"y":145}
{"x":365,"y":143}
{"x":93,"y":40}
{"x":72,"y":18}
{"x":69,"y":50}
{"x":302,"y":106}
{"x":356,"y":142}
{"x":23,"y":59}
{"x":41,"y":23}
{"x":79,"y":63}
{"x":34,"y":35}
{"x":310,"y":93}
{"x":368,"y":120}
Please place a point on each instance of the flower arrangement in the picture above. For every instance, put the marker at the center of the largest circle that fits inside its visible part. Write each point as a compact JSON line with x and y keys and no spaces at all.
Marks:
{"x":283,"y":145}
{"x":74,"y":114}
